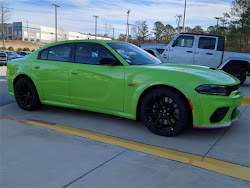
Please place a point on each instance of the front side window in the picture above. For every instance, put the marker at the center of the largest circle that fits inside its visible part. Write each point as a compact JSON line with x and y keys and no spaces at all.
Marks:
{"x":133,"y":54}
{"x":91,"y":53}
{"x":207,"y":43}
{"x":185,"y":41}
{"x":60,"y":52}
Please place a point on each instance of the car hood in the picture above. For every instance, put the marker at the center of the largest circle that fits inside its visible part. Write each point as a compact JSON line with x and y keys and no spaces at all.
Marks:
{"x":208,"y":75}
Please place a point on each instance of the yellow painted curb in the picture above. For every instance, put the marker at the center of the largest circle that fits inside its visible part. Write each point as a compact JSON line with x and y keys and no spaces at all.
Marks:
{"x":214,"y":165}
{"x":246,"y":101}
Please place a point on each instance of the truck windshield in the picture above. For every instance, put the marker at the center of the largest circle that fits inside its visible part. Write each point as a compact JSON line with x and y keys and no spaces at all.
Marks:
{"x":133,"y":54}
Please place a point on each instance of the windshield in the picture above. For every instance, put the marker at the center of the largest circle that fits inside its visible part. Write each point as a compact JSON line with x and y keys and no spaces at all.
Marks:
{"x":133,"y":54}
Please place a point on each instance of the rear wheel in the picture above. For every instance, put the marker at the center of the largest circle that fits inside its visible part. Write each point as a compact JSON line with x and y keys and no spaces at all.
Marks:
{"x":237,"y":72}
{"x":165,"y":112}
{"x":26,"y":94}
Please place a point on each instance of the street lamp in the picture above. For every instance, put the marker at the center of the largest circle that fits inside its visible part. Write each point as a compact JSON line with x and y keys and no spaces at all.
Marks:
{"x":127,"y":30}
{"x":184,"y":17}
{"x":56,"y":20}
{"x":96,"y":25}
{"x":217,"y":27}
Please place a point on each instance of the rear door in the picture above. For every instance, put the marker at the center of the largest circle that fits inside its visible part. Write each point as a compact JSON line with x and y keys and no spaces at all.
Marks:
{"x":52,"y":72}
{"x":182,"y":52}
{"x":206,"y":53}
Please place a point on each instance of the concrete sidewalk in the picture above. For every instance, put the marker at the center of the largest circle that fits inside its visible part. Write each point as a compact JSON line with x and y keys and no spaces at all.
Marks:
{"x":37,"y":157}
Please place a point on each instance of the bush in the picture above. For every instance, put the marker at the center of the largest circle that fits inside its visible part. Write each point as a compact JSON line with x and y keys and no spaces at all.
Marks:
{"x":11,"y":48}
{"x":3,"y":48}
{"x":33,"y":50}
{"x":26,"y":49}
{"x":19,"y":49}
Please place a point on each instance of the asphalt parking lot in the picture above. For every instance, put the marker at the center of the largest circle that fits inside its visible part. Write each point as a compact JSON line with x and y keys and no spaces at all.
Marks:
{"x":59,"y":147}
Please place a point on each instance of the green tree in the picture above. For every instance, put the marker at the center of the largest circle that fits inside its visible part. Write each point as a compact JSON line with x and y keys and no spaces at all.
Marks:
{"x":140,"y":31}
{"x":197,"y":29}
{"x":159,"y":31}
{"x":170,"y":32}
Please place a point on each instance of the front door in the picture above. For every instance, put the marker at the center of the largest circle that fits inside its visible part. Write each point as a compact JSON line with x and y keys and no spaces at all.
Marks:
{"x":93,"y":84}
{"x":182,"y":51}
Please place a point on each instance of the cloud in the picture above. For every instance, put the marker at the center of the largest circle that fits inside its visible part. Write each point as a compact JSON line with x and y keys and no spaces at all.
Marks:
{"x":77,"y":15}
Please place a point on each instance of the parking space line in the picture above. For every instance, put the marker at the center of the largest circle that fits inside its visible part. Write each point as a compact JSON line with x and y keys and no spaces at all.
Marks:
{"x":246,"y":101}
{"x":222,"y":167}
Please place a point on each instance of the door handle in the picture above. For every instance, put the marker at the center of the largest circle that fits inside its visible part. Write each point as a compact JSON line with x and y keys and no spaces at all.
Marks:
{"x":189,"y":51}
{"x":209,"y":53}
{"x":170,"y":50}
{"x":74,"y":73}
{"x":37,"y":66}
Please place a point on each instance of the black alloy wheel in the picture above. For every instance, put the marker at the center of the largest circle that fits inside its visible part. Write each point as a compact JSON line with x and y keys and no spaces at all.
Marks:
{"x":165,"y":112}
{"x":26,"y":94}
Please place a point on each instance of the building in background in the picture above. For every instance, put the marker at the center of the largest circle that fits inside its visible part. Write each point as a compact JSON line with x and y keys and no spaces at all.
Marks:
{"x":36,"y":33}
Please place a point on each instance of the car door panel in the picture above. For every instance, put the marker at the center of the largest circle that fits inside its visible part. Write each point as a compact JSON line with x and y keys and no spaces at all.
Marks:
{"x":93,"y":84}
{"x":53,"y":75}
{"x":183,"y":51}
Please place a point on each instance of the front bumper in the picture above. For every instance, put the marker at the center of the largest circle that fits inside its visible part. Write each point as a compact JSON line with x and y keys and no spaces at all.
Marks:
{"x":207,"y":105}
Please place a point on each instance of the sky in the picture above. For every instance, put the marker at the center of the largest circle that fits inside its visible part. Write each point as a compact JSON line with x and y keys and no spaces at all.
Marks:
{"x":77,"y":15}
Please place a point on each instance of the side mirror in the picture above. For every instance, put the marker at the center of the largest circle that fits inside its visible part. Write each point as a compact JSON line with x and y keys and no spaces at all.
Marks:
{"x":174,"y":43}
{"x":108,"y":61}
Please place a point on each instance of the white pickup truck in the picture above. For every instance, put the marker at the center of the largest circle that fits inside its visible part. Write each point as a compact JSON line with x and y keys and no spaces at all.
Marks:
{"x":201,"y":49}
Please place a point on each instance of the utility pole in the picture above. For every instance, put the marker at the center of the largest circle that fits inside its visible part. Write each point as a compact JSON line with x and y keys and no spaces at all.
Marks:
{"x":28,"y":30}
{"x":96,"y":25}
{"x":127,"y":29}
{"x":113,"y":33}
{"x":56,"y":20}
{"x":184,"y":18}
{"x":217,"y":27}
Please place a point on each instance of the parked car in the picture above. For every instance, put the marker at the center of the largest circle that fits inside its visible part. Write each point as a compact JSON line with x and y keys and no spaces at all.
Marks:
{"x":121,"y":79}
{"x":202,"y":49}
{"x":23,"y":53}
{"x":11,"y":55}
{"x":3,"y":58}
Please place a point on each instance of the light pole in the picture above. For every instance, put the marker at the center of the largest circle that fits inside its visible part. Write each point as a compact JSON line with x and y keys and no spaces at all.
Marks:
{"x":184,"y":17}
{"x":96,"y":25}
{"x":178,"y":20}
{"x":113,"y":33}
{"x":217,"y":27}
{"x":127,"y":30}
{"x":56,"y":20}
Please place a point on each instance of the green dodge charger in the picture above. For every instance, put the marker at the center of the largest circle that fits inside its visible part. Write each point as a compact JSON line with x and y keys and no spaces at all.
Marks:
{"x":121,"y":79}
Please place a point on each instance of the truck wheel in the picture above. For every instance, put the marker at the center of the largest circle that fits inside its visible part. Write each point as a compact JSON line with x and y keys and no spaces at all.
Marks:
{"x":237,"y":72}
{"x":165,"y":112}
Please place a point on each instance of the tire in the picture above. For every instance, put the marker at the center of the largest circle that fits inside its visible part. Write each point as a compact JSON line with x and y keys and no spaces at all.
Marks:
{"x":26,"y":94}
{"x":237,"y":72}
{"x":165,"y":112}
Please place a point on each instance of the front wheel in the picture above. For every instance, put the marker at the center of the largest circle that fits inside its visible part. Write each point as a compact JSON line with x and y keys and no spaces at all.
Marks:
{"x":26,"y":94}
{"x":237,"y":72}
{"x":165,"y":112}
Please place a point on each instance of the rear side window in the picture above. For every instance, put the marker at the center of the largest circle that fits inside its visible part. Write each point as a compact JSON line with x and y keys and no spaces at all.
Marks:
{"x":207,"y":43}
{"x":60,"y":52}
{"x":44,"y":54}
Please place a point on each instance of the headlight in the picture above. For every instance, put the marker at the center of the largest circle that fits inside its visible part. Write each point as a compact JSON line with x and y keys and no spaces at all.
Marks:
{"x":212,"y":90}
